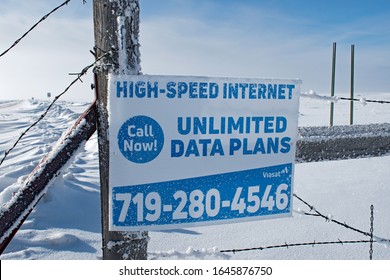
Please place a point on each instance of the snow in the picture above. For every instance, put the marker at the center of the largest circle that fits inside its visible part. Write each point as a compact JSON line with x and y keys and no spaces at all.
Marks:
{"x":66,"y":222}
{"x":313,"y":95}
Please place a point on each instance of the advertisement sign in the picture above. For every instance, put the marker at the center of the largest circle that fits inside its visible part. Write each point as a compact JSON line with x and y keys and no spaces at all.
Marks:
{"x":194,"y":151}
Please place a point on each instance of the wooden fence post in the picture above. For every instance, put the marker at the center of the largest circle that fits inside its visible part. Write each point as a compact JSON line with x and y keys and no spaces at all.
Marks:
{"x":116,"y":27}
{"x":35,"y":186}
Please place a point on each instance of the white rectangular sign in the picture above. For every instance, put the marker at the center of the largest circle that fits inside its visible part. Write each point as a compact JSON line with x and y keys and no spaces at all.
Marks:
{"x":192,"y":151}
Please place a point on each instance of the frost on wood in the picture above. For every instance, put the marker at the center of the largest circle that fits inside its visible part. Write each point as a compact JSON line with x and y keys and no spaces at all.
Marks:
{"x":128,"y":45}
{"x":131,"y":246}
{"x":16,"y":211}
{"x":117,"y":29}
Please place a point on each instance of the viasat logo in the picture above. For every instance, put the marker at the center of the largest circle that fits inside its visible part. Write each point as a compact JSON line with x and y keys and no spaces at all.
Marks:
{"x":140,"y":139}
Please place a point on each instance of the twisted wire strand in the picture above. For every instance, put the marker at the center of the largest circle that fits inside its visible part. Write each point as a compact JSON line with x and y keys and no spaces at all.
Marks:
{"x":78,"y":78}
{"x":285,"y":245}
{"x":34,"y":26}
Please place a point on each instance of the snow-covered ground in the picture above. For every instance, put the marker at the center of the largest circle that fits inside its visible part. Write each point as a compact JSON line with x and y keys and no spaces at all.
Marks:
{"x":66,"y":223}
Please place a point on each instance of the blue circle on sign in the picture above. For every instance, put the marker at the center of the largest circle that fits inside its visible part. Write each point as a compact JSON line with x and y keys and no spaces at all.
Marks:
{"x":140,"y":139}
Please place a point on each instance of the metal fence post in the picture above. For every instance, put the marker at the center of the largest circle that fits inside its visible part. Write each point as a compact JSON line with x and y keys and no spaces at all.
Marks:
{"x":352,"y":84}
{"x":333,"y":82}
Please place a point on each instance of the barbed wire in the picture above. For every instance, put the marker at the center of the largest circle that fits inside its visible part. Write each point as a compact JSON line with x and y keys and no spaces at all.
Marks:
{"x":334,"y":99}
{"x":364,"y":100}
{"x":287,"y":245}
{"x":299,"y":244}
{"x":34,"y":26}
{"x":343,"y":224}
{"x":202,"y":253}
{"x":312,"y":208}
{"x":328,"y":219}
{"x":78,"y":78}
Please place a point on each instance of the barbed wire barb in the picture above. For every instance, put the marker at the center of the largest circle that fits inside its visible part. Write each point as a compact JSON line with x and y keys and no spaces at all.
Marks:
{"x":330,"y":220}
{"x":334,"y":99}
{"x":288,"y":245}
{"x":83,"y":72}
{"x":344,"y":224}
{"x":365,"y":100}
{"x":34,"y":26}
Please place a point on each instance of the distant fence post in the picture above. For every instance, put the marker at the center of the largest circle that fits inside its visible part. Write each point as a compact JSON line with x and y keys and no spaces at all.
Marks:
{"x":333,"y":82}
{"x":352,"y":84}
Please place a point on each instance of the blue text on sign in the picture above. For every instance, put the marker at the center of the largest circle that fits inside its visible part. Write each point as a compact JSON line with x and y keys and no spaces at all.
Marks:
{"x":203,"y":90}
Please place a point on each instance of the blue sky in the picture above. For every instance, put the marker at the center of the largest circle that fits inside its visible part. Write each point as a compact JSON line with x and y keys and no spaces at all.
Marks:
{"x":247,"y":38}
